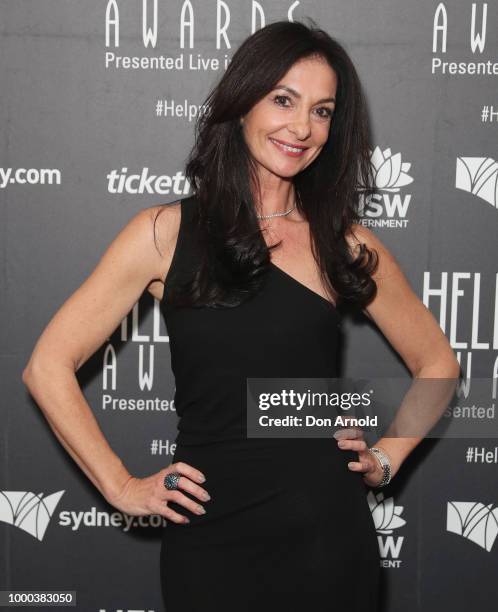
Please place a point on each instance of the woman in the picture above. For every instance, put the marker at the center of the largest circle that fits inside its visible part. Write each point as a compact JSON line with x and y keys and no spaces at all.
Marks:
{"x":251,"y":272}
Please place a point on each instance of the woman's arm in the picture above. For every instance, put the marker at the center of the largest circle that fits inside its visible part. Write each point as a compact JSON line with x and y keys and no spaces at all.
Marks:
{"x":415,"y":335}
{"x":83,"y":323}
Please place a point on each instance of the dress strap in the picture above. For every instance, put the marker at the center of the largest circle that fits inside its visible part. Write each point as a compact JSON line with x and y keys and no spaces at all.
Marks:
{"x":183,"y":254}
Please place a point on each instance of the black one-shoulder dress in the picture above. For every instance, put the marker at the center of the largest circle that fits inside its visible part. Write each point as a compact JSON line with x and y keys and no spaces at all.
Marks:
{"x":288,"y":527}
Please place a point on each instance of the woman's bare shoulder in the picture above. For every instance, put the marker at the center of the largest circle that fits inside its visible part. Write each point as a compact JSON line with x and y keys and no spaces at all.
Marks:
{"x":165,"y":220}
{"x":359,"y":234}
{"x":132,"y":262}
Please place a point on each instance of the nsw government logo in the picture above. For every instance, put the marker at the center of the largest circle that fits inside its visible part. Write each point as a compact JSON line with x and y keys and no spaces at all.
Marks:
{"x":387,"y":518}
{"x":28,"y":511}
{"x":387,"y":207}
{"x":473,"y":521}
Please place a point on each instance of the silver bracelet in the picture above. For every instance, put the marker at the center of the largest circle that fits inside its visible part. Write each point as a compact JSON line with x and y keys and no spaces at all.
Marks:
{"x":385,"y":464}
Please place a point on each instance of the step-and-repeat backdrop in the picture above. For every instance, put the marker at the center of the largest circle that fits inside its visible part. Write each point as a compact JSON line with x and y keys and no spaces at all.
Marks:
{"x":98,"y":107}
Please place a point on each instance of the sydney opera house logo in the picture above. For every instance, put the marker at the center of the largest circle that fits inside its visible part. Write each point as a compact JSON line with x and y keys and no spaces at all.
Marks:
{"x":479,"y":176}
{"x":28,"y":511}
{"x":385,"y":513}
{"x":473,"y":521}
{"x":390,"y":172}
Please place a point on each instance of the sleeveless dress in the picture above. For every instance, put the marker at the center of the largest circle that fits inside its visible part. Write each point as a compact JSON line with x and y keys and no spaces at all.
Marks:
{"x":288,"y":527}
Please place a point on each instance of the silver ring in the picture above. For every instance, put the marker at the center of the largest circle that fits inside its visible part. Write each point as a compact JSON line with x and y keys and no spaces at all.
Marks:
{"x":171,"y":481}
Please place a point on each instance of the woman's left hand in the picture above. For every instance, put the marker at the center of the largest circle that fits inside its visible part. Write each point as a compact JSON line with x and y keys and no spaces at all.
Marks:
{"x":351,"y":438}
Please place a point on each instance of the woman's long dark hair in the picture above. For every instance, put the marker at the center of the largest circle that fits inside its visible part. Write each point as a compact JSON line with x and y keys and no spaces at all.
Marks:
{"x":234,"y":255}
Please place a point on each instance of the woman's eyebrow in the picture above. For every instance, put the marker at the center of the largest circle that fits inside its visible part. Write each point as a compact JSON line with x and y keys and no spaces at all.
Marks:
{"x":298,"y":95}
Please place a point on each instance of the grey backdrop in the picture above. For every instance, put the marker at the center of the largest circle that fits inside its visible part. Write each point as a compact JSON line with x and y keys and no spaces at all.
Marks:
{"x":63,"y":109}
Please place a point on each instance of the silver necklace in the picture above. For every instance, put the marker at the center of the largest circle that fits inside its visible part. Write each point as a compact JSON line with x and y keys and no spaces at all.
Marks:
{"x":277,"y":214}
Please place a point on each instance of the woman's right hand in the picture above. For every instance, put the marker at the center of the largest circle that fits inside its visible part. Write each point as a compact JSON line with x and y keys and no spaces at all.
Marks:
{"x":144,"y":496}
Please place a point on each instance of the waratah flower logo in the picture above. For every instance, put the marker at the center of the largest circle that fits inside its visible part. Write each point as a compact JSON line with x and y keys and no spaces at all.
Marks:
{"x":385,"y":514}
{"x":390,"y":172}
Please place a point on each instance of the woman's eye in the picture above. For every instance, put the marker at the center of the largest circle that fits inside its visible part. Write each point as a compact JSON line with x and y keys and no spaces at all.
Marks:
{"x":327,"y":114}
{"x":277,"y":99}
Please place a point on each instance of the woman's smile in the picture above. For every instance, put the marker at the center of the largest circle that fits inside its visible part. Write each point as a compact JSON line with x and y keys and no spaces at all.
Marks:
{"x":291,"y":151}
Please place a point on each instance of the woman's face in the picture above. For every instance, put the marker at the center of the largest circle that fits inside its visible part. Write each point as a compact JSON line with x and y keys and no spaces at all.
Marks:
{"x":298,"y":111}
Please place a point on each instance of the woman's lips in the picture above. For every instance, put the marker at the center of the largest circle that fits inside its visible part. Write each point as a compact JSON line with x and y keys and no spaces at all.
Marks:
{"x":288,"y":151}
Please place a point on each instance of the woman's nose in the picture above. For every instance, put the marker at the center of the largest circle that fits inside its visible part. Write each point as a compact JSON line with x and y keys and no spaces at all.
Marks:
{"x":300,"y":126}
